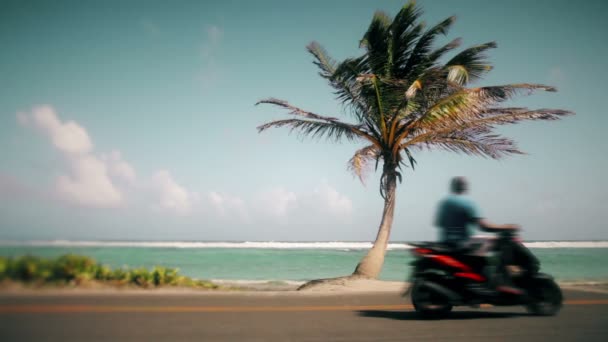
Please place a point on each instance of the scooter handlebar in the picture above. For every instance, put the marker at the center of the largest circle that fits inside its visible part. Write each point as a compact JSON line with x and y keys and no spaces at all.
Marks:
{"x":507,"y":233}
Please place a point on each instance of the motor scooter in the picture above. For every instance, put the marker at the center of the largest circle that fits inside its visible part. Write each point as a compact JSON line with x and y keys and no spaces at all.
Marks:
{"x":444,"y":277}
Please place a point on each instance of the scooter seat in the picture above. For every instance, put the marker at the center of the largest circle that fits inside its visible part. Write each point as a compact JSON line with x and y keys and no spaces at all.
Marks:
{"x":447,"y":248}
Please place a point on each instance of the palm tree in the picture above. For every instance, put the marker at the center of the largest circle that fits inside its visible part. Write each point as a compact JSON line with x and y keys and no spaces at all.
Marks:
{"x":403,"y":98}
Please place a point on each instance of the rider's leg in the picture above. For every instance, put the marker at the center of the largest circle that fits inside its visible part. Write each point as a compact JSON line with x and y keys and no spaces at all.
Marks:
{"x":506,"y":259}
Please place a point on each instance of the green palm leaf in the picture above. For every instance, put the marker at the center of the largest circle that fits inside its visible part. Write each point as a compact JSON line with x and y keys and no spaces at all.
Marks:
{"x":376,"y":42}
{"x":295,"y":110}
{"x":420,"y":59}
{"x":325,"y":63}
{"x":481,"y":126}
{"x":484,"y":145}
{"x":466,"y":104}
{"x":404,"y":33}
{"x":343,"y":78}
{"x":470,"y":64}
{"x":438,"y":53}
{"x":314,"y":129}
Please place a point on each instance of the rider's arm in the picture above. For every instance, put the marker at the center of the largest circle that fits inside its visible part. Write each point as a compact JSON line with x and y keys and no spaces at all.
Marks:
{"x":488,"y":226}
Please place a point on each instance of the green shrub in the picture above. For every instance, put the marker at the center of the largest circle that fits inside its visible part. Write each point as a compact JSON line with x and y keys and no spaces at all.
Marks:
{"x":3,"y":267}
{"x":164,"y":276}
{"x":205,"y":284}
{"x":120,"y":275}
{"x":78,"y":269}
{"x":140,"y":277}
{"x":70,"y":267}
{"x":103,"y":272}
{"x":29,"y":268}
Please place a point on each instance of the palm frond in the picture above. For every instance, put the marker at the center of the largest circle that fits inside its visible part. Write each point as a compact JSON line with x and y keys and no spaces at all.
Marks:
{"x":326,"y":64}
{"x":361,"y":161}
{"x":341,"y":76}
{"x":472,"y":103}
{"x":381,"y":120}
{"x":413,"y":89}
{"x":419,"y":57}
{"x":375,"y":42}
{"x":502,"y":116}
{"x":404,"y":33}
{"x":315,"y":129}
{"x":438,"y":53}
{"x":427,"y":89}
{"x":347,"y":88}
{"x":483,"y":125}
{"x":485,"y":145}
{"x":295,"y":110}
{"x":411,"y":159}
{"x":361,"y":130}
{"x":470,"y":64}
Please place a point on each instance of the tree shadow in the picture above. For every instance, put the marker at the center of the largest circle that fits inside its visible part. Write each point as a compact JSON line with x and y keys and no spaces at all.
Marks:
{"x":455,"y":315}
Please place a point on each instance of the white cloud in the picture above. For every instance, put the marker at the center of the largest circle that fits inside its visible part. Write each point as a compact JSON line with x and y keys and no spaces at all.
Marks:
{"x":280,"y":205}
{"x":119,"y":168}
{"x":67,"y":137}
{"x":88,"y":182}
{"x":228,"y":206}
{"x":275,"y":203}
{"x":173,"y":196}
{"x":102,"y":180}
{"x":332,"y":201}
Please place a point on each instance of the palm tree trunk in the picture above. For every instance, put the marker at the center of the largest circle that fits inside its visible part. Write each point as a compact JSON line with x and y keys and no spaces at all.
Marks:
{"x":371,"y":265}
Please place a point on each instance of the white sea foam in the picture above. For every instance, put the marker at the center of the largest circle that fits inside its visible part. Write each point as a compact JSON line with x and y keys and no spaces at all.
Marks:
{"x":269,"y":282}
{"x":344,"y":246}
{"x":567,"y":244}
{"x":336,"y":245}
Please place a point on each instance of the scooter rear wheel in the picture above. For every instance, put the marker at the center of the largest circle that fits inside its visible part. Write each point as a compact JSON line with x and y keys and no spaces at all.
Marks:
{"x":427,"y":302}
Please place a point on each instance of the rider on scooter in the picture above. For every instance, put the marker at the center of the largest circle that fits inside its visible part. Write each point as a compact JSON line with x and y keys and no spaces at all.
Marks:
{"x":455,"y":217}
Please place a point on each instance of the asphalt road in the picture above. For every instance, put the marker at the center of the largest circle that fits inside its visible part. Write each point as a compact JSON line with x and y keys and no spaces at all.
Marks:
{"x":284,"y":317}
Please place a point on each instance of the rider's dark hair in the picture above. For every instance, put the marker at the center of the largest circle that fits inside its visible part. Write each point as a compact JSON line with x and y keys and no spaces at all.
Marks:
{"x":458,"y":185}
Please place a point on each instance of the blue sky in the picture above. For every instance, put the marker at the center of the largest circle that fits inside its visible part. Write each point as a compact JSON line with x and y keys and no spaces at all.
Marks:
{"x":136,"y":120}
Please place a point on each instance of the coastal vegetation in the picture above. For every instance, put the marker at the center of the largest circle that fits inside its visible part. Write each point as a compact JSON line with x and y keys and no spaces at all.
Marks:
{"x":404,"y":94}
{"x":80,"y":270}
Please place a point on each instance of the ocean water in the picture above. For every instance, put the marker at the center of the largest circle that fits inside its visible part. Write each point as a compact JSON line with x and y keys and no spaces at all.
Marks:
{"x":296,"y":261}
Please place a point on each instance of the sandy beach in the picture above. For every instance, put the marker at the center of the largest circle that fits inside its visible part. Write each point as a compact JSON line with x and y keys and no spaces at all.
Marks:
{"x":355,"y":286}
{"x":253,"y":288}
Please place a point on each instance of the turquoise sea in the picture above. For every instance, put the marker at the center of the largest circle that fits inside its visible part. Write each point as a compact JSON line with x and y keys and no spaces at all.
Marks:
{"x":579,"y":262}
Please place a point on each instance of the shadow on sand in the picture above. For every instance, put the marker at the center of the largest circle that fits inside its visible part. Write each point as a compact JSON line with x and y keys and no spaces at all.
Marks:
{"x":455,"y":315}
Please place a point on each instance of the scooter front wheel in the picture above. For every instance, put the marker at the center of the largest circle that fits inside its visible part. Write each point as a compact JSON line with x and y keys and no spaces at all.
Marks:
{"x":546,"y":298}
{"x":427,"y":302}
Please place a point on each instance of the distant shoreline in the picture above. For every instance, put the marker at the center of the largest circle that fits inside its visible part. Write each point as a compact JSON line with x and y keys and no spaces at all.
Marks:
{"x":340,"y":245}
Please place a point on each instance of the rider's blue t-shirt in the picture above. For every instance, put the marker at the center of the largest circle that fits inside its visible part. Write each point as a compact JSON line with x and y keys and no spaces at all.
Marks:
{"x":455,"y":216}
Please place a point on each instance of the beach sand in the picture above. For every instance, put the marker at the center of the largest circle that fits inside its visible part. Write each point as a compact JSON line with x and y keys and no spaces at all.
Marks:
{"x":357,"y":285}
{"x":258,"y":288}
